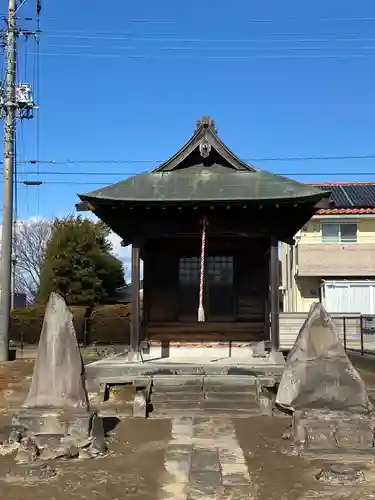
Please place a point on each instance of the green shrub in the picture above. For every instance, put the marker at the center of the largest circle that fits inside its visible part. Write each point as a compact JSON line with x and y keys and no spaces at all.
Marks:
{"x":26,"y":323}
{"x":110,"y":324}
{"x":79,"y":263}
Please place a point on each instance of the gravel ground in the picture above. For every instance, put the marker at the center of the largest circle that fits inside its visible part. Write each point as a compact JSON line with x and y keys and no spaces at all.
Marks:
{"x":134,"y":468}
{"x":131,"y":470}
{"x":276,"y":476}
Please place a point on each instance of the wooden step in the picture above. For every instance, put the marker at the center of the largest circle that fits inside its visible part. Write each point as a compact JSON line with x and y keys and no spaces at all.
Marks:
{"x":192,"y":336}
{"x":220,"y":326}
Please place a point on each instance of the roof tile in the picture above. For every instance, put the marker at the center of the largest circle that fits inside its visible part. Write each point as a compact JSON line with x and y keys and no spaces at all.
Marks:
{"x":349,"y":197}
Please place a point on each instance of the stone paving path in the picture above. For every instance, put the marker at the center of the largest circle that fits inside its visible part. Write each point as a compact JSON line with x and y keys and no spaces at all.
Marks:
{"x":205,"y":461}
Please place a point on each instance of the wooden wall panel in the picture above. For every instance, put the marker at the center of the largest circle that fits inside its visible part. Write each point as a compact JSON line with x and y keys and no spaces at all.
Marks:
{"x":161,"y":281}
{"x":161,"y":290}
{"x":252,"y":285}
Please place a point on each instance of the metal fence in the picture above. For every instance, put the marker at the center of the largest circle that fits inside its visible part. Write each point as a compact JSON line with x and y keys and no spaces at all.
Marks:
{"x":367,"y":334}
{"x":356,"y":331}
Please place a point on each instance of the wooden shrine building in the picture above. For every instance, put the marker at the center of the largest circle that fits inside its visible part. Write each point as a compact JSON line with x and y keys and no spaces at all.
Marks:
{"x":205,"y":196}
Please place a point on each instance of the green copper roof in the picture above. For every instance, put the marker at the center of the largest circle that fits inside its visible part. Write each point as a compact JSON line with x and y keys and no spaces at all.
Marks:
{"x":205,"y":169}
{"x":205,"y":184}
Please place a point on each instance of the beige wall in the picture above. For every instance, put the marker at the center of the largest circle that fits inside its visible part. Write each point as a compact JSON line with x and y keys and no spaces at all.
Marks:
{"x":311,"y":233}
{"x":305,"y":264}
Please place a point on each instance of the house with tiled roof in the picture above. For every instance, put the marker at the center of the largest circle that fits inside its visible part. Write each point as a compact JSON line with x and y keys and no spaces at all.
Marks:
{"x":333,"y":257}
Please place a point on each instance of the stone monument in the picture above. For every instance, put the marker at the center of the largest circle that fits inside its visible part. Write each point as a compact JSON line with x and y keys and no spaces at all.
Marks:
{"x":57,"y":401}
{"x":324,"y":391}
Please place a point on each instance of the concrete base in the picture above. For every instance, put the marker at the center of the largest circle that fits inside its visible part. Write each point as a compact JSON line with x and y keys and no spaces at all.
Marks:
{"x":55,"y":421}
{"x":248,"y":353}
{"x":134,"y":357}
{"x":329,"y":430}
{"x":185,"y":360}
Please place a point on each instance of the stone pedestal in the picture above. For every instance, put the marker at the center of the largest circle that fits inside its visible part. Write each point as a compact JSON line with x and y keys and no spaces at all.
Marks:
{"x":55,"y":421}
{"x":134,"y":357}
{"x":329,"y":430}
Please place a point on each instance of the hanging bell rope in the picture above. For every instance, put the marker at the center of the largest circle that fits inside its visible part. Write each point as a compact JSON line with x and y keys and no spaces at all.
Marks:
{"x":201,"y":315}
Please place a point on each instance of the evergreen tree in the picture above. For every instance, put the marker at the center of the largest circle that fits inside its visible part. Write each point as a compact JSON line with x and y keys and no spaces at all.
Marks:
{"x":79,"y":263}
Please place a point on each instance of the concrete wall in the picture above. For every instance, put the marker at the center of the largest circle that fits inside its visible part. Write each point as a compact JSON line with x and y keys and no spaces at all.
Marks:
{"x":309,"y":261}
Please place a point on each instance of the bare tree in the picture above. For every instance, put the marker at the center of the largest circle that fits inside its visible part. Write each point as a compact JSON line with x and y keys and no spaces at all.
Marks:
{"x":29,"y":247}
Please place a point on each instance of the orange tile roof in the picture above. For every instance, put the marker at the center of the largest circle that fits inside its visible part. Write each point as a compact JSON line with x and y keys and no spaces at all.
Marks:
{"x":346,"y":211}
{"x":348,"y":200}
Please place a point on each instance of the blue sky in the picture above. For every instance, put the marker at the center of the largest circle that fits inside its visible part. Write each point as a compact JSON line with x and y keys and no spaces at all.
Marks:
{"x":127,"y":80}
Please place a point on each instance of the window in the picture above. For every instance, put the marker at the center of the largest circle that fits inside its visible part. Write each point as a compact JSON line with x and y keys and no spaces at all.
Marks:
{"x":189,"y":270}
{"x":339,"y":233}
{"x":218,"y":269}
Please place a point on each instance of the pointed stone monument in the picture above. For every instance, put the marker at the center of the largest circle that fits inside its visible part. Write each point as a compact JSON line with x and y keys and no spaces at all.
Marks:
{"x":326,"y":394}
{"x":57,"y":402}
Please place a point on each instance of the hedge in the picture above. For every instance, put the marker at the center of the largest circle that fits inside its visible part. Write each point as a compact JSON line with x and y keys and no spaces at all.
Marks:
{"x":103,"y":325}
{"x":110,"y":324}
{"x":26,"y":324}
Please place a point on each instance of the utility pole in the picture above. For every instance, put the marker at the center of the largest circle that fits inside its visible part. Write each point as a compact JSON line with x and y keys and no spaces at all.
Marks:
{"x":7,"y":223}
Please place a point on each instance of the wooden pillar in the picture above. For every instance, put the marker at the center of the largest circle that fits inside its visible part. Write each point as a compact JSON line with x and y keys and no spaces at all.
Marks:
{"x":134,"y":326}
{"x":274,"y":294}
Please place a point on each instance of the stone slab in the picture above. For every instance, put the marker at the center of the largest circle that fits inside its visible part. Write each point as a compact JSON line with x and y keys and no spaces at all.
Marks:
{"x":97,"y":435}
{"x":358,"y":437}
{"x":230,"y":456}
{"x":161,"y":396}
{"x":178,"y":452}
{"x":45,"y":421}
{"x":173,"y":381}
{"x":230,"y":380}
{"x":140,"y":404}
{"x":198,"y":412}
{"x":238,"y":413}
{"x":239,"y":492}
{"x":48,"y":440}
{"x":330,"y":430}
{"x":173,"y":413}
{"x":205,"y":460}
{"x":266,"y":405}
{"x":229,"y":396}
{"x":204,"y":484}
{"x":177,"y":405}
{"x":235,"y":473}
{"x":32,"y":473}
{"x":112,"y":409}
{"x":239,"y":405}
{"x":340,"y":456}
{"x":267,"y":371}
{"x":183,"y":389}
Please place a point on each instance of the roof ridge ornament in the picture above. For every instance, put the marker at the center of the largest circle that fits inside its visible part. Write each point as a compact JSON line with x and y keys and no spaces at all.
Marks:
{"x":207,"y":122}
{"x":205,"y":148}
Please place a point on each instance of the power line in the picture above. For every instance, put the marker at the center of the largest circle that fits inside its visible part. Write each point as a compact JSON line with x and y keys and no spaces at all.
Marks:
{"x":145,"y":172}
{"x":370,"y":156}
{"x":190,"y":52}
{"x":239,"y":21}
{"x":187,"y":49}
{"x":39,"y":183}
{"x":209,"y":57}
{"x":178,"y":38}
{"x":198,"y":47}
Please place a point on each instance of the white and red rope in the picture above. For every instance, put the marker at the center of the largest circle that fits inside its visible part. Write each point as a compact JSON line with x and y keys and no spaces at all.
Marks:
{"x":201,"y":315}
